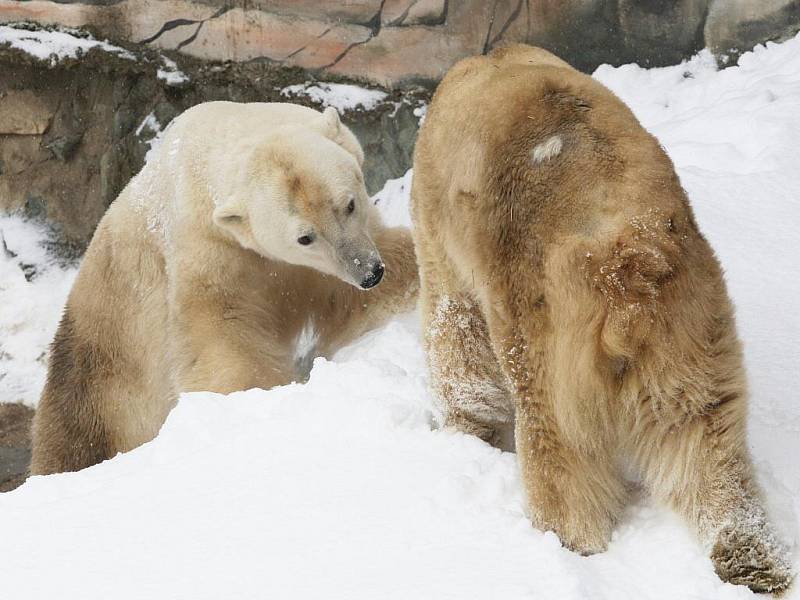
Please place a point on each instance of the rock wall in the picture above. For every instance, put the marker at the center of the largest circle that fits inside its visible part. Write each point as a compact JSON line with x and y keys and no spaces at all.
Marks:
{"x":74,"y":131}
{"x":735,"y":26}
{"x":394,"y":42}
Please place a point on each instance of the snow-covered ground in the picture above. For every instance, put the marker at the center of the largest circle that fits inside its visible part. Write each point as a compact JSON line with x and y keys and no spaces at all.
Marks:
{"x":344,"y":488}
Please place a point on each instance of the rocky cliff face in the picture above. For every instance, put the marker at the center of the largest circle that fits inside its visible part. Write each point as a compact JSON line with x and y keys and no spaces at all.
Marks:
{"x":73,"y":131}
{"x":394,"y":42}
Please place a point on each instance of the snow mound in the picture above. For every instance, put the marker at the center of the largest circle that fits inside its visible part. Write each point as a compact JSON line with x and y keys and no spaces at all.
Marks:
{"x":343,"y":487}
{"x":56,"y":45}
{"x":338,"y":488}
{"x":341,"y":96}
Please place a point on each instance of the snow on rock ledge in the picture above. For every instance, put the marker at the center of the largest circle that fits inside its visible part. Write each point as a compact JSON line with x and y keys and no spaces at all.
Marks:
{"x":55,"y":45}
{"x":341,"y":96}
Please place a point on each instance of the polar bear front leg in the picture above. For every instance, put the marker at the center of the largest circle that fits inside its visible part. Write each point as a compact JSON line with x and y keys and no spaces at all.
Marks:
{"x":464,"y":374}
{"x":222,"y":349}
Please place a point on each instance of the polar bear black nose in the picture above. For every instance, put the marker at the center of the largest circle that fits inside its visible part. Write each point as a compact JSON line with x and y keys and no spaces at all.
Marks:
{"x":373,"y":278}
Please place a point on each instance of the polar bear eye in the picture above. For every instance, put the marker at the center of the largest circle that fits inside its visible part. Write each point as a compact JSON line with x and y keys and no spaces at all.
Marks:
{"x":305,"y":240}
{"x":351,"y":206}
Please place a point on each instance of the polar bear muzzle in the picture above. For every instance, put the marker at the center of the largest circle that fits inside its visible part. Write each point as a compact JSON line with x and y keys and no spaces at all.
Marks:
{"x":362,"y":262}
{"x":374,"y":277}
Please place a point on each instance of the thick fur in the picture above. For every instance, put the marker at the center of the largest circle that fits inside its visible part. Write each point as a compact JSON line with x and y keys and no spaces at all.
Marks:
{"x":178,"y":292}
{"x":565,"y":286}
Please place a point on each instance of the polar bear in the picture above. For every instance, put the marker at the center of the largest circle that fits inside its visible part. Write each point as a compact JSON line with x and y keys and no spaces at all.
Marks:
{"x":565,"y":288}
{"x":249,"y":229}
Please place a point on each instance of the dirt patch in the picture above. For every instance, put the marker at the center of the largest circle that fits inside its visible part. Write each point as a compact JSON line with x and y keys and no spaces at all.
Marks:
{"x":15,"y":445}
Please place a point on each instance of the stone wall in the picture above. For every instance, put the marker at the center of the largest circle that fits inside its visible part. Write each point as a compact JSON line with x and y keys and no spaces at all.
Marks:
{"x":73,"y":132}
{"x":394,"y":42}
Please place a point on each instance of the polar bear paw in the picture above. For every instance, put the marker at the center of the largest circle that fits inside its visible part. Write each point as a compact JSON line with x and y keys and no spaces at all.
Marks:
{"x":753,"y":558}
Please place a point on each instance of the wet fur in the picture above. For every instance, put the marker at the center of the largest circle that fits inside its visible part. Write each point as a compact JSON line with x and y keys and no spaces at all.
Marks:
{"x":574,"y":294}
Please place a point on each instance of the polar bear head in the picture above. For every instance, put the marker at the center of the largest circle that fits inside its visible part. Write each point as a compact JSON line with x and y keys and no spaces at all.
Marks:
{"x":299,"y":197}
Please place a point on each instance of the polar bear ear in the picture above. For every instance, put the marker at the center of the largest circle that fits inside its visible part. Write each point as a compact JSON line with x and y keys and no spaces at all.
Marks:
{"x":330,"y":119}
{"x":229,"y":213}
{"x":333,"y":129}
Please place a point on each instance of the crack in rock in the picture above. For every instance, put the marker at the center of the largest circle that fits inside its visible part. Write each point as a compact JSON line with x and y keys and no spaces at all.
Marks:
{"x":398,"y":22}
{"x":175,"y":23}
{"x":168,"y":26}
{"x":374,"y":25}
{"x":299,"y":50}
{"x":527,"y":20}
{"x":441,"y":20}
{"x":489,"y":30}
{"x":191,"y":38}
{"x":512,"y":17}
{"x":488,"y":43}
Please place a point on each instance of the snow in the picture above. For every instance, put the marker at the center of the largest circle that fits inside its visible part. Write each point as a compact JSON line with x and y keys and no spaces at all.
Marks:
{"x":55,"y":45}
{"x":30,"y":309}
{"x":170,"y":73}
{"x":151,"y":128}
{"x":344,"y":487}
{"x":420,"y":112}
{"x":150,"y":124}
{"x":392,"y":201}
{"x":341,"y":96}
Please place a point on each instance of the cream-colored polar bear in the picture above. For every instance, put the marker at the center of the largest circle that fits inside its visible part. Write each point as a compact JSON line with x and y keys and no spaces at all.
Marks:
{"x":250,"y":226}
{"x":566,"y":288}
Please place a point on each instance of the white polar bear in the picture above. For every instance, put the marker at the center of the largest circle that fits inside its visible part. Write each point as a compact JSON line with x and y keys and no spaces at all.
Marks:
{"x":250,"y":225}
